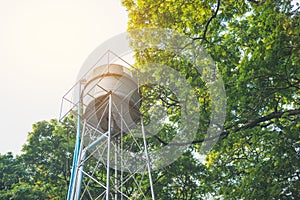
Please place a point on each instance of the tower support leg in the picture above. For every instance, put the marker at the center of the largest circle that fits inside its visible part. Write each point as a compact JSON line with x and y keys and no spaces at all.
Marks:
{"x":148,"y":161}
{"x":108,"y":147}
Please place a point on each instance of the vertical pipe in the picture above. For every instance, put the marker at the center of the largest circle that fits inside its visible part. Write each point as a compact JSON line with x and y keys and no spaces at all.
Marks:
{"x":108,"y":148}
{"x":80,"y":166}
{"x":148,"y":160}
{"x":121,"y":155}
{"x":116,"y":170}
{"x":71,"y":190}
{"x":79,"y":175}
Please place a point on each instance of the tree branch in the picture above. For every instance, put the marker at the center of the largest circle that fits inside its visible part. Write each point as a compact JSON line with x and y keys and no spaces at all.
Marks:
{"x":274,"y":115}
{"x":203,"y":37}
{"x":249,"y":125}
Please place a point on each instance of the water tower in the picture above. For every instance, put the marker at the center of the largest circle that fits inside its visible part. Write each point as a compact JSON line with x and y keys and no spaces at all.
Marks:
{"x":110,"y":160}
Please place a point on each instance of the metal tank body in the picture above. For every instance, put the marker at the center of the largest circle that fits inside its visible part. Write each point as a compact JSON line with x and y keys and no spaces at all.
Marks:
{"x":118,"y":81}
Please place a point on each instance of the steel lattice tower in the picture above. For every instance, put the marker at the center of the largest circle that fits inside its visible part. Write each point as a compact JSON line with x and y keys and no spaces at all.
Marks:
{"x":111,"y":159}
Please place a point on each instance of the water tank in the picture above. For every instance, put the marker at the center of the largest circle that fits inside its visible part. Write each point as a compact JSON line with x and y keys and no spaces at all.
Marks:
{"x":117,"y":81}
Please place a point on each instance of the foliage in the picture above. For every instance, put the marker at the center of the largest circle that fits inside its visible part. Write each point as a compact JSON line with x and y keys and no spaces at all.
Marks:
{"x":255,"y":45}
{"x":183,"y":179}
{"x":24,"y":191}
{"x":11,"y":171}
{"x":43,"y":170}
{"x":14,"y":180}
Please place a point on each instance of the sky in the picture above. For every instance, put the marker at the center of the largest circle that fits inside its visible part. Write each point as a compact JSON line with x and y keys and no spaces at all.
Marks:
{"x":43,"y":44}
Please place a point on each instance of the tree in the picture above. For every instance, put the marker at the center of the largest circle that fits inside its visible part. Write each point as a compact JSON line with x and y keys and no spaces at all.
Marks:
{"x":48,"y":155}
{"x":255,"y":45}
{"x":13,"y":181}
{"x":24,"y":191}
{"x":42,"y":171}
{"x":11,"y":171}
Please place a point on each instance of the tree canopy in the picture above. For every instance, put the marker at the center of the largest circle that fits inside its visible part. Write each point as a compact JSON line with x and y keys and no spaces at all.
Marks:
{"x":42,"y":171}
{"x":255,"y":45}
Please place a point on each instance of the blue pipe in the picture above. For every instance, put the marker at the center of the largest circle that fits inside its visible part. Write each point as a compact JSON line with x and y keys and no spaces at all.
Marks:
{"x":76,"y":150}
